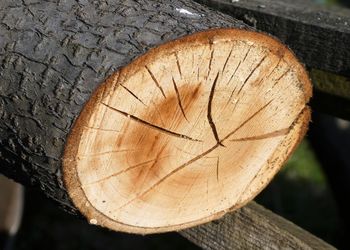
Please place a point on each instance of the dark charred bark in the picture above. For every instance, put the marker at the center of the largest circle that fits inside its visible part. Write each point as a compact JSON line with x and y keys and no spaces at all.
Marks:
{"x":54,"y":54}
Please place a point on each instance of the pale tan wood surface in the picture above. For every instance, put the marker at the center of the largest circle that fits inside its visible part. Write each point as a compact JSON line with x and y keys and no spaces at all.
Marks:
{"x":187,"y":132}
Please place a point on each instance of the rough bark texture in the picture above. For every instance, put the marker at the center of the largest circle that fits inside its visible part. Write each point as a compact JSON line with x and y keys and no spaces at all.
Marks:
{"x":54,"y":54}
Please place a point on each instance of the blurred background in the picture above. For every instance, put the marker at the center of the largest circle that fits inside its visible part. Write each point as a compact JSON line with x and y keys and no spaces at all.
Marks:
{"x":311,"y":190}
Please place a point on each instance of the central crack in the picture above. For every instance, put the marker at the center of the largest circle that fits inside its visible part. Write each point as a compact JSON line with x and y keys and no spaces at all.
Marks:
{"x":209,"y":115}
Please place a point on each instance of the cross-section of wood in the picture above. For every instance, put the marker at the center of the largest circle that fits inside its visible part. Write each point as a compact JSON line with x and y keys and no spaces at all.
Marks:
{"x":188,"y":131}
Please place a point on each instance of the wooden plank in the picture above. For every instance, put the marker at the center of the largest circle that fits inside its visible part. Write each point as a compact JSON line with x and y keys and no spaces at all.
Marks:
{"x":320,"y":36}
{"x":253,"y":227}
{"x":331,"y":92}
{"x":331,"y":83}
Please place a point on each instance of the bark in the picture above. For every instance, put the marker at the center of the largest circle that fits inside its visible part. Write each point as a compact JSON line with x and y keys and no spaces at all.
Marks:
{"x":54,"y":54}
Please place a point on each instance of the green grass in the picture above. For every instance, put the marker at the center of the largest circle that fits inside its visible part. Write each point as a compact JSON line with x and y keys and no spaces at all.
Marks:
{"x":304,"y":165}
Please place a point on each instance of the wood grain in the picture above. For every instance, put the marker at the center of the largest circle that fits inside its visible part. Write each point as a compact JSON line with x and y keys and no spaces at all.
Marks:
{"x":253,"y":227}
{"x":203,"y":124}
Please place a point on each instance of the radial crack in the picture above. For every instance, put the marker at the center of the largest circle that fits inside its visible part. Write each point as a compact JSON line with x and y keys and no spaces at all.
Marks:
{"x":271,"y":72}
{"x":234,"y":73}
{"x":123,"y":171}
{"x":165,"y":177}
{"x":276,"y":133}
{"x":201,"y":60}
{"x":104,"y":153}
{"x":155,"y":81}
{"x":210,"y":62}
{"x":250,"y":74}
{"x":102,"y":129}
{"x":257,"y":174}
{"x":246,"y":54}
{"x":158,"y":112}
{"x":179,"y":99}
{"x":279,"y":78}
{"x":163,"y":130}
{"x":246,"y":121}
{"x":130,"y":92}
{"x":161,"y":180}
{"x":178,"y":64}
{"x":229,"y":99}
{"x":209,"y":115}
{"x":228,"y":57}
{"x":255,"y":68}
{"x":154,"y":164}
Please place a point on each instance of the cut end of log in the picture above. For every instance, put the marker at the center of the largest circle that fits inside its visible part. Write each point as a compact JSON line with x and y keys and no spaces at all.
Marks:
{"x":188,"y":131}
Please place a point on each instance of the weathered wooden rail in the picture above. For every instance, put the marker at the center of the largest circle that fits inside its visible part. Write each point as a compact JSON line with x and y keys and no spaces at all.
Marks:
{"x":253,"y":227}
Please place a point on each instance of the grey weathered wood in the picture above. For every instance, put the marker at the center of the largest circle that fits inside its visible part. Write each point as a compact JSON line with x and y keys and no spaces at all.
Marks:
{"x":331,"y":92}
{"x":331,"y":83}
{"x":253,"y":227}
{"x":319,"y":36}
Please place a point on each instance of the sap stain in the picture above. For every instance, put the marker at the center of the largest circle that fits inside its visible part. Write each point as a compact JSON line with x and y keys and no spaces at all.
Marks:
{"x":150,"y":137}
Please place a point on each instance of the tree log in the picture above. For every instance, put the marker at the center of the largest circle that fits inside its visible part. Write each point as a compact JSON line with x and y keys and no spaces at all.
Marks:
{"x":183,"y":131}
